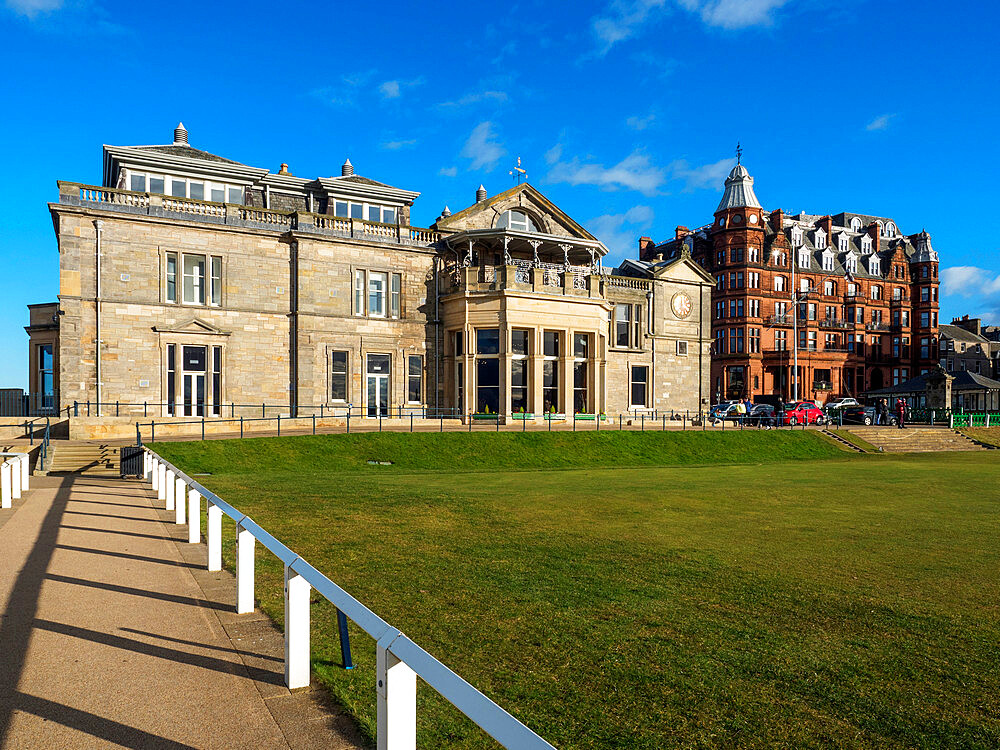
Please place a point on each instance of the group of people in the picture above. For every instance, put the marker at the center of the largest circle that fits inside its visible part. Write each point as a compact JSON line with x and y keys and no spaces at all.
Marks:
{"x":882,"y":412}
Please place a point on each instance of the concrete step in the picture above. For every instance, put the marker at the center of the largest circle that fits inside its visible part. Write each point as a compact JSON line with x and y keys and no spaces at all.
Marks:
{"x":916,"y":439}
{"x":82,"y":458}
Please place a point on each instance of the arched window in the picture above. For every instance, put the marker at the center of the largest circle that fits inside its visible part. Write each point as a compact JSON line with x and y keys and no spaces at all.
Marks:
{"x":890,"y":230}
{"x":856,"y":224}
{"x":517,"y":220}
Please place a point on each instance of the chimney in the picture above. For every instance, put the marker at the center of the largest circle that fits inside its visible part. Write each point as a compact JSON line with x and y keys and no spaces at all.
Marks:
{"x":777,"y":220}
{"x":180,"y":135}
{"x":826,"y":224}
{"x":480,"y":194}
{"x":283,"y":169}
{"x":872,"y":230}
{"x":681,"y":232}
{"x":347,"y":169}
{"x":646,"y":246}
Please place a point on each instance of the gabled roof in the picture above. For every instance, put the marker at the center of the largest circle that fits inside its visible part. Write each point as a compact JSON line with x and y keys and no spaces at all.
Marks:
{"x":660,"y":268}
{"x":561,"y":216}
{"x":960,"y":334}
{"x":188,"y":152}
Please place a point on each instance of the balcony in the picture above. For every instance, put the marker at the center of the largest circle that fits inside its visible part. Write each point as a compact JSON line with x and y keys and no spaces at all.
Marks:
{"x":884,"y":327}
{"x":230,"y":214}
{"x":778,"y":320}
{"x":540,"y":278}
{"x":835,"y":323}
{"x":822,"y":385}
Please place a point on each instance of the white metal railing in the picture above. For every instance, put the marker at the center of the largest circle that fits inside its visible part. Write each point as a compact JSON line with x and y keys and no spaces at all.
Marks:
{"x":14,"y":473}
{"x":398,"y":659}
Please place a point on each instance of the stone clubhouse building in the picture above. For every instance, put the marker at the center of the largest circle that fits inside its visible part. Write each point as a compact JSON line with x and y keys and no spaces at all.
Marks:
{"x":200,"y":286}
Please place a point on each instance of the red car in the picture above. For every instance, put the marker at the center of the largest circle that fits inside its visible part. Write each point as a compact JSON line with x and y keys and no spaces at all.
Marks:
{"x":802,"y":412}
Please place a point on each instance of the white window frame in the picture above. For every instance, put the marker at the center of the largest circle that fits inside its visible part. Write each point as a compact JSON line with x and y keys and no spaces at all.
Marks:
{"x":377,"y":295}
{"x":198,"y":283}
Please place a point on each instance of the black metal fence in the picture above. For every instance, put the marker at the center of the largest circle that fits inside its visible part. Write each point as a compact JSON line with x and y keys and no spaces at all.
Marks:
{"x":16,"y":403}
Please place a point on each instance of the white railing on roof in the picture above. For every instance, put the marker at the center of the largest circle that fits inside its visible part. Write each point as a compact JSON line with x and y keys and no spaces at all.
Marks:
{"x":398,"y":659}
{"x":265,"y":216}
{"x":14,"y":473}
{"x":193,"y":206}
{"x":627,"y":282}
{"x":118,"y":197}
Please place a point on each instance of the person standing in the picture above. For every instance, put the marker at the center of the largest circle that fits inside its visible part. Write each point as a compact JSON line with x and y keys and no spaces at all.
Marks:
{"x":882,"y":412}
{"x":900,"y":413}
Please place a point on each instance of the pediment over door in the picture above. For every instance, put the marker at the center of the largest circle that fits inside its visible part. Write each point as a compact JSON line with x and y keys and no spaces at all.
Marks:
{"x":195,"y":326}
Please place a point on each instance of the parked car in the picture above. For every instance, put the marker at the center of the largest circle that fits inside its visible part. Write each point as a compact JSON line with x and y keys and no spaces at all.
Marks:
{"x":726,"y":411}
{"x":841,"y":403}
{"x":762,"y":415}
{"x":862,"y":415}
{"x":803,"y":412}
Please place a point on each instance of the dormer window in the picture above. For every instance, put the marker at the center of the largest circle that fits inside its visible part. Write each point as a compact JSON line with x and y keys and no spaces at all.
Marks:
{"x":866,"y":244}
{"x":890,"y":230}
{"x":516,"y":220}
{"x":874,"y":266}
{"x":843,"y":243}
{"x":803,"y":258}
{"x":851,"y":263}
{"x":820,"y":240}
{"x":855,"y":224}
{"x":827,"y":261}
{"x":796,"y":237}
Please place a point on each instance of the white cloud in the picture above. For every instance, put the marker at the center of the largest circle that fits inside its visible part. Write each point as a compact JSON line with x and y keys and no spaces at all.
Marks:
{"x":394,"y":89}
{"x":621,"y":20}
{"x":396,"y":145}
{"x":634,"y":172}
{"x":476,"y":97}
{"x":448,"y":171}
{"x":734,"y":14}
{"x":640,"y":123}
{"x":880,"y":123}
{"x":969,"y":281}
{"x":344,"y":93}
{"x":611,"y":229}
{"x":482,"y":148}
{"x":553,"y":154}
{"x":710,"y":176}
{"x":32,"y":8}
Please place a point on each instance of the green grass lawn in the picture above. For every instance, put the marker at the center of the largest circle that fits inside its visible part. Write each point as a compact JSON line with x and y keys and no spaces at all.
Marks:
{"x":988,"y":435}
{"x":630,"y":590}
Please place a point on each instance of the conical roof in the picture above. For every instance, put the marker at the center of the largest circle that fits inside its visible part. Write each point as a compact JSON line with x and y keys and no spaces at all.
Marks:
{"x":739,"y":190}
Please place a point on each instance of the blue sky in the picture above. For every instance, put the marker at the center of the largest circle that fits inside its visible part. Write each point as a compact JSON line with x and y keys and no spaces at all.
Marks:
{"x":626,"y":114}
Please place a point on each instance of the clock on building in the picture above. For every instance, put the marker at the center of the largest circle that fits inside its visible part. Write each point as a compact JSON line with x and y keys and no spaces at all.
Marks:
{"x":680,"y":303}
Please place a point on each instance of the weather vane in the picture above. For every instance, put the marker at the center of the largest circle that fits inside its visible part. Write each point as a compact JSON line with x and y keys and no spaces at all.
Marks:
{"x":739,"y":152}
{"x":517,"y":173}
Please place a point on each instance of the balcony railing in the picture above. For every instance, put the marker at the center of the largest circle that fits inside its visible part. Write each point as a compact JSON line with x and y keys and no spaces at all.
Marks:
{"x":549,"y":278}
{"x":835,"y":323}
{"x":877,"y":327}
{"x":778,"y":320}
{"x":230,"y":214}
{"x":822,"y":385}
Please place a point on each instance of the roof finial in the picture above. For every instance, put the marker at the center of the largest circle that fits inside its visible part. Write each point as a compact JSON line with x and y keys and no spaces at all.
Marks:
{"x":517,"y":173}
{"x":180,"y":135}
{"x":346,"y":169}
{"x":739,"y":152}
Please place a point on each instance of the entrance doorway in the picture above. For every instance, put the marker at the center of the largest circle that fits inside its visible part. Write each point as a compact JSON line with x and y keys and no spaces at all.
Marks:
{"x":378,"y":384}
{"x":194,"y":360}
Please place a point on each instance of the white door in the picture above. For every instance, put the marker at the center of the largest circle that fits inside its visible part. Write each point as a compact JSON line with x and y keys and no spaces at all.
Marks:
{"x":378,"y":384}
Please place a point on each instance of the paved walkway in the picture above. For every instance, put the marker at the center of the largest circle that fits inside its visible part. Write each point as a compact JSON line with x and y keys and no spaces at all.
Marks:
{"x":114,"y":635}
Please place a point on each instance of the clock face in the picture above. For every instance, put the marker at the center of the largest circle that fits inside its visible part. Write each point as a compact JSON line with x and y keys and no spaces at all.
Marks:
{"x":681,"y":305}
{"x":753,"y":218}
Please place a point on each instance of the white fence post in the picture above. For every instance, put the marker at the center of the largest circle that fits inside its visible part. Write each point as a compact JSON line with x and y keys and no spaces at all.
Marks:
{"x":154,"y":474}
{"x":297,"y":592}
{"x":396,"y":711}
{"x":15,"y":480}
{"x":244,"y":570}
{"x":194,"y":517}
{"x":5,"y":486}
{"x":145,"y":464}
{"x":171,"y":486}
{"x":25,"y":473}
{"x":161,"y":483}
{"x":179,"y":495}
{"x":214,"y":536}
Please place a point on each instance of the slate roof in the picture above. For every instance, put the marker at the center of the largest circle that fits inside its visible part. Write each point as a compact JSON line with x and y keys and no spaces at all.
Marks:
{"x":964,"y":381}
{"x":188,"y":152}
{"x":960,"y":334}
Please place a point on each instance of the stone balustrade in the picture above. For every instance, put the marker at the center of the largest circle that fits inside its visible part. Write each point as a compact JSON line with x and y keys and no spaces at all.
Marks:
{"x":166,"y":206}
{"x":541,"y":278}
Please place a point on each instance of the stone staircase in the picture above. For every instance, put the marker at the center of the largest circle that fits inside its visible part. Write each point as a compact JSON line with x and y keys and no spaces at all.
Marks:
{"x":78,"y":457}
{"x":917,"y":439}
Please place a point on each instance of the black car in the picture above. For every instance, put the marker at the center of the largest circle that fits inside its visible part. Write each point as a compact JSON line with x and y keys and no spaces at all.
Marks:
{"x":862,"y":415}
{"x":762,"y":415}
